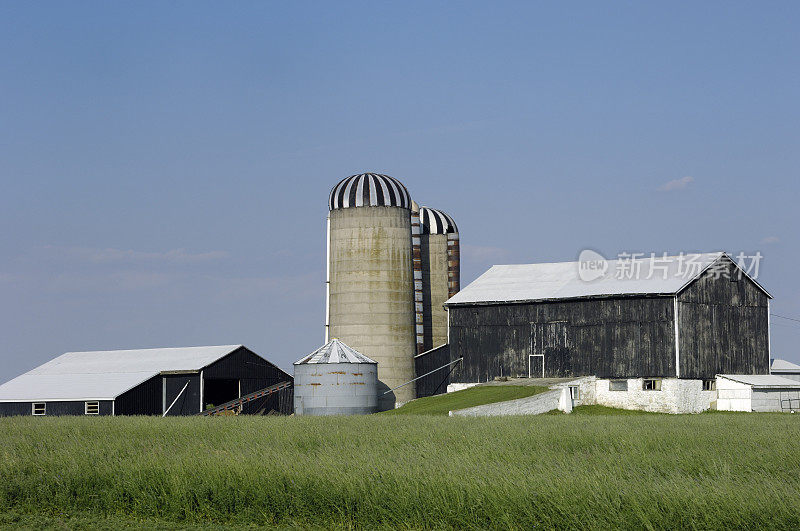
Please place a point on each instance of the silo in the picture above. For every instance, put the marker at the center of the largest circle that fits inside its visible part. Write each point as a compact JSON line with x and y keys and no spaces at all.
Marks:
{"x":439,"y":251}
{"x":370,"y":278}
{"x":335,"y":380}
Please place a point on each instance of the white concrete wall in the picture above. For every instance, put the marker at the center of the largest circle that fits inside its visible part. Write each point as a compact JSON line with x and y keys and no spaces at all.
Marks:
{"x":733,"y":396}
{"x":460,"y":386}
{"x":586,"y":387}
{"x":675,"y":396}
{"x":775,"y":400}
{"x":532,"y":405}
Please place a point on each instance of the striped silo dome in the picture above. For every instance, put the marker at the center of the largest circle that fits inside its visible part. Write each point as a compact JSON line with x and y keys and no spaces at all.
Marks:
{"x":436,"y":222}
{"x":369,"y":189}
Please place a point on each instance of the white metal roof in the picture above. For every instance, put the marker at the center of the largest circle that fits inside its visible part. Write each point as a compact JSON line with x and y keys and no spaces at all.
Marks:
{"x":105,"y":374}
{"x":777,"y":365}
{"x":762,"y":380}
{"x":564,"y":280}
{"x":334,"y":351}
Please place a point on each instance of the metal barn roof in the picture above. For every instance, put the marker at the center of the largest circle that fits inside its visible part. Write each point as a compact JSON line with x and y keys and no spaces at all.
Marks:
{"x":762,"y":380}
{"x":105,"y":374}
{"x":564,"y":280}
{"x":334,"y":351}
{"x":778,"y":365}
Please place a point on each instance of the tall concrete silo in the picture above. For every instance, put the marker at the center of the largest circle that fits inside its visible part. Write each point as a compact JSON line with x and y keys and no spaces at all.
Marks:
{"x":335,"y":380}
{"x":370,"y":277}
{"x":439,"y":251}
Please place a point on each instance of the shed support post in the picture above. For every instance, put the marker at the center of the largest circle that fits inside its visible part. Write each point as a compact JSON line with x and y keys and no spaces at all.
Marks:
{"x":202,"y":388}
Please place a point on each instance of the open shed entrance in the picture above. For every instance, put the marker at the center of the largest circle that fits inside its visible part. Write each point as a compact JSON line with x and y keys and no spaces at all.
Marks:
{"x":217,"y":391}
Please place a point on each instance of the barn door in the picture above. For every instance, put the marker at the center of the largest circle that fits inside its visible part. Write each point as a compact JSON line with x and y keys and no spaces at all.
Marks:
{"x":549,"y":351}
{"x":535,"y":366}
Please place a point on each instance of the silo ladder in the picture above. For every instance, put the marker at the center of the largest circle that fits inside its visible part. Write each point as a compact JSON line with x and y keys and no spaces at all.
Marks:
{"x":234,"y":404}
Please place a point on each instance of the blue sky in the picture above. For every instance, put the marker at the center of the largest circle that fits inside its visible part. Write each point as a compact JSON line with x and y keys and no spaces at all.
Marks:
{"x":165,"y":166}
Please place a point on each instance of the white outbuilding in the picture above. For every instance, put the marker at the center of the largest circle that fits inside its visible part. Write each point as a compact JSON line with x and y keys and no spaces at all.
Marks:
{"x":757,"y":392}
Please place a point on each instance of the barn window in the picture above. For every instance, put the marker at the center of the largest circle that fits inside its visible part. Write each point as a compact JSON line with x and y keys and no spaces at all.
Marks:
{"x":39,"y":408}
{"x":709,"y":385}
{"x":91,"y":408}
{"x":574,"y":392}
{"x":618,"y":385}
{"x":651,"y":385}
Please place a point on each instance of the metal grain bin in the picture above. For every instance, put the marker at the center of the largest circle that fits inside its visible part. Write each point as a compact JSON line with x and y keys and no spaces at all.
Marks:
{"x":335,"y":380}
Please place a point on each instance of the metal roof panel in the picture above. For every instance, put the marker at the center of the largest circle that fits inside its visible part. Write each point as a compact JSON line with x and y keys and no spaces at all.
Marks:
{"x":106,"y":374}
{"x":563,"y":280}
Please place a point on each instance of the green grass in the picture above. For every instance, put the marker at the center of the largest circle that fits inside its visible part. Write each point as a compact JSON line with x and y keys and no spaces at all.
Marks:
{"x":594,"y":410}
{"x":594,"y":471}
{"x":474,"y":396}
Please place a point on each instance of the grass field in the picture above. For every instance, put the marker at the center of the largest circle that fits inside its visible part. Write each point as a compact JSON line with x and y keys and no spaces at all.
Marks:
{"x":583,"y":471}
{"x":474,"y":396}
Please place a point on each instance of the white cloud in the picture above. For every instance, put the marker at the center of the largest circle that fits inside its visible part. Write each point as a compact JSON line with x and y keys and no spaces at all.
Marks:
{"x":300,"y":287}
{"x":676,"y":184}
{"x":771,"y":239}
{"x":117,"y":281}
{"x":480,"y":253}
{"x":111,"y":255}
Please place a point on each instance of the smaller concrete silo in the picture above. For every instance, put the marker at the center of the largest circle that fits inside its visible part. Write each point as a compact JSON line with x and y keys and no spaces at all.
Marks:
{"x":335,"y":380}
{"x":440,"y":264}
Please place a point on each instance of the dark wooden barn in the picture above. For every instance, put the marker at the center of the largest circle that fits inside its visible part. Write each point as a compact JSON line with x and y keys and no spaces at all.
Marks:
{"x":688,"y":316}
{"x":167,"y":382}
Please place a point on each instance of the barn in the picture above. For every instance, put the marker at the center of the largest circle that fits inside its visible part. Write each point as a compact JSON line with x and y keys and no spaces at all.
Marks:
{"x":638,"y":325}
{"x":162,"y":381}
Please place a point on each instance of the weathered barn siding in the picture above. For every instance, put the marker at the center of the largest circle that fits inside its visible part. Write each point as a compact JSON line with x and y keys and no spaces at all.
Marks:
{"x":435,"y":383}
{"x":54,"y":408}
{"x":724,"y":326}
{"x":622,"y":337}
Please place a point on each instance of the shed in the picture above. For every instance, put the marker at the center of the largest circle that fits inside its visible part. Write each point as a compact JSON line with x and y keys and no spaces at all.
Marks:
{"x":757,"y":392}
{"x":784,"y":368}
{"x":686,"y":316}
{"x":161,"y":381}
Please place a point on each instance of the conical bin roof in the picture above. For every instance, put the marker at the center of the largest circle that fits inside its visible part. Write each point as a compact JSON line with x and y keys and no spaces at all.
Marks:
{"x":334,"y":351}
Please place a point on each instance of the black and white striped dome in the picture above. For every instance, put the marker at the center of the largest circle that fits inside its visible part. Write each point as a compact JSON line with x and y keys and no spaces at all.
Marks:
{"x":369,"y":189}
{"x":435,"y":221}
